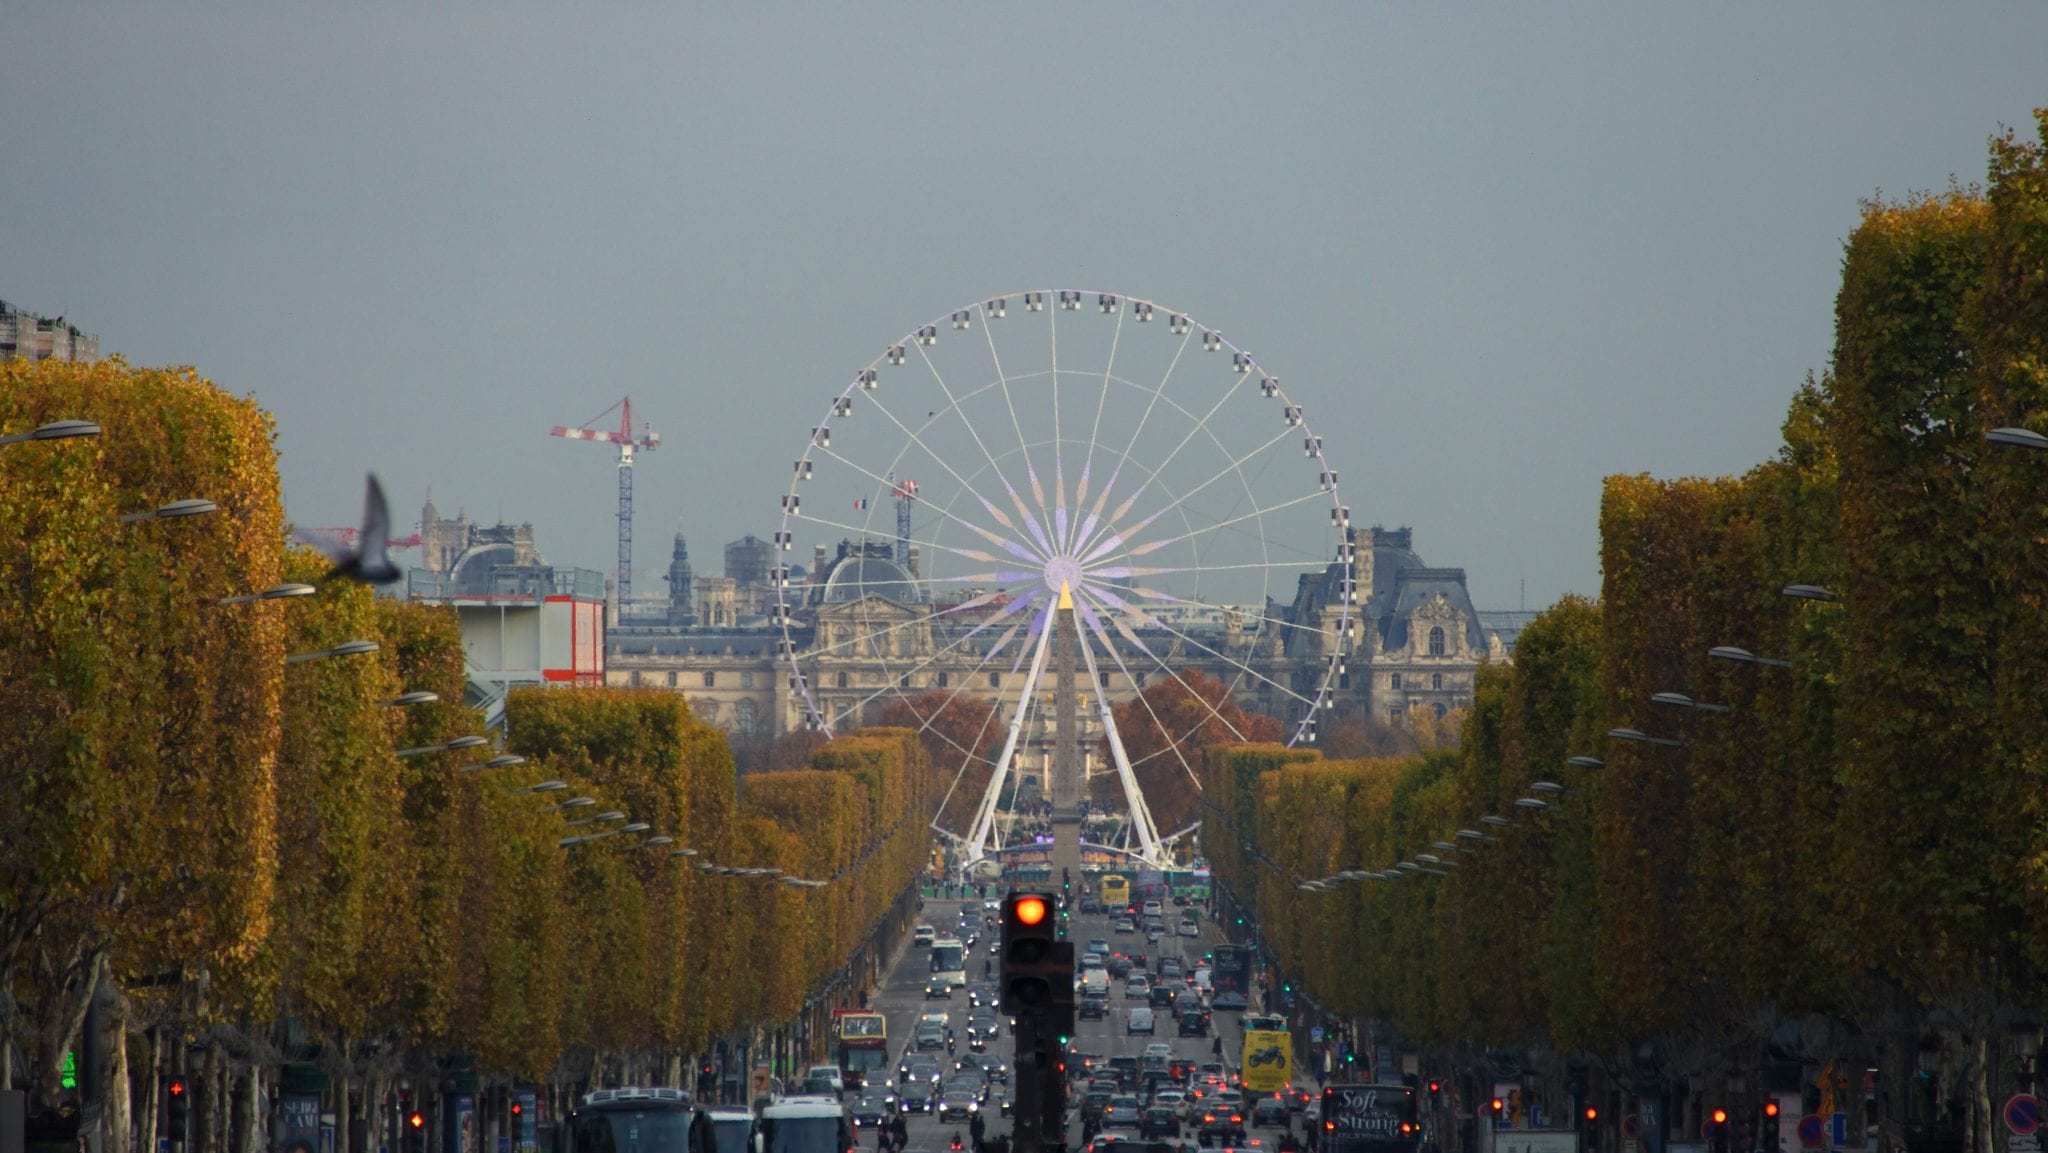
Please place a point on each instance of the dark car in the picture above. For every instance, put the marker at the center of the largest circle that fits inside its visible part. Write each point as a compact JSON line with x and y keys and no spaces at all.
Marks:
{"x":1119,"y":966}
{"x":917,"y":1096}
{"x":1161,"y":997}
{"x":1221,"y":1122}
{"x":958,"y":1105}
{"x":1096,"y":1099}
{"x":1230,"y":1000}
{"x":871,"y":1109}
{"x":1159,"y":1121}
{"x":987,"y":1065}
{"x":1093,"y":1008}
{"x":1194,"y":1023}
{"x":1270,"y":1111}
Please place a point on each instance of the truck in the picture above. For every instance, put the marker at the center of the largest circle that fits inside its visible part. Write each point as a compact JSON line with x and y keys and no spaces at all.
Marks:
{"x":1268,"y":1058}
{"x":1370,"y":1119}
{"x":1230,"y":971}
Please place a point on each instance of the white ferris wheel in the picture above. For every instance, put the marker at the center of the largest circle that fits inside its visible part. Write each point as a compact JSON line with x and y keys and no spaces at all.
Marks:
{"x":1049,"y":502}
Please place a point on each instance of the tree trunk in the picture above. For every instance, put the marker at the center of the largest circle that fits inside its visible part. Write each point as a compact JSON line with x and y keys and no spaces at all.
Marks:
{"x":120,"y":1093}
{"x":252,"y":1111}
{"x":341,"y":1115}
{"x":1980,"y":1092}
{"x":152,"y":1082}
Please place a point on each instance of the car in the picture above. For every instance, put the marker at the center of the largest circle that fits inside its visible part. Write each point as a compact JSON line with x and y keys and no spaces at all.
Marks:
{"x":987,"y":1066}
{"x":1090,"y":960}
{"x":1159,"y":1121}
{"x":829,"y":1074}
{"x":1272,"y":1112}
{"x":922,"y":936}
{"x":1094,"y":1099}
{"x":958,"y":1105}
{"x":965,"y":1082}
{"x":1155,"y":934}
{"x":1121,"y":1112}
{"x":938,"y":989}
{"x":1093,"y":1008}
{"x":1174,"y":1099}
{"x":1187,"y":928}
{"x":1122,"y":925}
{"x":872,"y":1108}
{"x":1229,"y":1001}
{"x":1097,"y":945}
{"x":1138,"y":987}
{"x":1171,"y":967}
{"x":1119,"y":966}
{"x":1140,"y":1019}
{"x":917,"y":1097}
{"x":1191,"y":1023}
{"x":1220,"y":1124}
{"x":1151,"y":908}
{"x":1297,"y":1098}
{"x":916,"y":1074}
{"x":928,"y":1036}
{"x":1162,"y":996}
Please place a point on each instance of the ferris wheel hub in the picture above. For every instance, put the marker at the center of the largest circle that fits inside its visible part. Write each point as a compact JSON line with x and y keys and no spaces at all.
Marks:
{"x":1062,"y":572}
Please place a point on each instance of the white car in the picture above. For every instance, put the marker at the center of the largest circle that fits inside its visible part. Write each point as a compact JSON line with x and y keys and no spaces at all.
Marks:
{"x":1188,"y":929}
{"x":1151,"y":909}
{"x":922,"y":936}
{"x":1139,"y":1019}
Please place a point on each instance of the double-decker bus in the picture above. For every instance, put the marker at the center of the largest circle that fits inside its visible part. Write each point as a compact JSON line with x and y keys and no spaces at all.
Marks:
{"x":861,"y":1037}
{"x":949,"y":961}
{"x":1230,"y":971}
{"x":1116,"y":893}
{"x":1370,"y":1119}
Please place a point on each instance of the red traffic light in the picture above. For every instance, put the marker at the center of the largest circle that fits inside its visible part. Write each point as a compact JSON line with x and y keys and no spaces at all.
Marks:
{"x":516,"y":1110}
{"x":1770,"y":1108}
{"x":1499,"y":1104}
{"x":1030,"y":910}
{"x":1720,"y":1116}
{"x":176,"y":1088}
{"x":1434,"y":1086}
{"x":1592,"y":1114}
{"x":416,"y":1120}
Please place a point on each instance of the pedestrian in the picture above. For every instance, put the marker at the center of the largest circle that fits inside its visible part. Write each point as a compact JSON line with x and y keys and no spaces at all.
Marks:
{"x":975,"y":1128}
{"x":899,"y":1132}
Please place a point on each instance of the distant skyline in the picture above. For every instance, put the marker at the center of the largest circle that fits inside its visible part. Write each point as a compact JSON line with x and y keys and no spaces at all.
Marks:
{"x":1502,"y":251}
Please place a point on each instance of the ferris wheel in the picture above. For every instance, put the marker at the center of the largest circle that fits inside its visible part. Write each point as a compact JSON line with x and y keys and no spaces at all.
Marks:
{"x":1059,"y":518}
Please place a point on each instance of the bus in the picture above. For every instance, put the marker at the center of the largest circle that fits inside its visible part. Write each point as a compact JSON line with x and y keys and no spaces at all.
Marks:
{"x":636,"y":1120}
{"x":1370,"y":1119}
{"x":1116,"y":894}
{"x":804,"y":1125}
{"x":861,"y":1038}
{"x":1230,"y":971}
{"x":1267,"y":1062}
{"x":949,"y":961}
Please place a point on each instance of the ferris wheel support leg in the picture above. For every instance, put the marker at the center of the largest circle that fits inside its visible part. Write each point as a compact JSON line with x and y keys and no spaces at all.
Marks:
{"x":1134,"y":797}
{"x":985,"y":815}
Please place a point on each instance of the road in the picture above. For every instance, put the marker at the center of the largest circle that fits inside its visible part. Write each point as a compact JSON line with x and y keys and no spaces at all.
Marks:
{"x":902,"y":999}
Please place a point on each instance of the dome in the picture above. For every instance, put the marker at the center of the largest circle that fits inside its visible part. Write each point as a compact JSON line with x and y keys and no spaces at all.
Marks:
{"x":857,"y":575}
{"x":473,"y":570}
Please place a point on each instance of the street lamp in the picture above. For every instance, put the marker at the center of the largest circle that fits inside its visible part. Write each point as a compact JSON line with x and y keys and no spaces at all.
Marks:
{"x":607,"y":815}
{"x":1585,"y":762}
{"x":1810,"y":593}
{"x":344,"y":649}
{"x":543,"y":787}
{"x":1548,"y":788}
{"x":1640,"y":737}
{"x":54,"y":430}
{"x":657,"y":841}
{"x":1471,"y":835}
{"x":420,"y":697}
{"x":2016,"y":437}
{"x":1683,"y":701}
{"x":1497,"y":821}
{"x":1537,"y":803}
{"x":496,"y":763}
{"x":172,"y":511}
{"x":1744,"y":656}
{"x":273,"y":593}
{"x":684,"y":852}
{"x":577,"y":803}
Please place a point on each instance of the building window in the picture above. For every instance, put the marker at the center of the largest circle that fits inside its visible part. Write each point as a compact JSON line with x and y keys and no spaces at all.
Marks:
{"x":671,"y":679}
{"x":1436,"y":640}
{"x":636,"y":680}
{"x":1343,"y":680}
{"x":1436,"y":681}
{"x":744,"y":717}
{"x":1103,"y":676}
{"x":903,"y":682}
{"x":710,"y":679}
{"x":1440,"y":710}
{"x":1394,"y":681}
{"x":942,"y":680}
{"x":842,"y":680}
{"x":746,"y":680}
{"x":995,"y":680}
{"x":1394,"y":713}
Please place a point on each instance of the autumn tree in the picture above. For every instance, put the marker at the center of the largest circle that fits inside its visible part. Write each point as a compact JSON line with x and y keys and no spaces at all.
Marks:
{"x":962,"y":739}
{"x":1165,"y":729}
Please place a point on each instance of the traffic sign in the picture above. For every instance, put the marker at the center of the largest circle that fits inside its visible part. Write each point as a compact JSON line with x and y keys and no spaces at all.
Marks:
{"x":1813,"y":1132}
{"x":2023,"y":1114}
{"x":1315,"y":1034}
{"x":1631,"y":1127}
{"x":1838,"y":1129}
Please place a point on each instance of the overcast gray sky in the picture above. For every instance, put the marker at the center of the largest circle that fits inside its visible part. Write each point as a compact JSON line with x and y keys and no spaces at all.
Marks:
{"x":1501,"y":250}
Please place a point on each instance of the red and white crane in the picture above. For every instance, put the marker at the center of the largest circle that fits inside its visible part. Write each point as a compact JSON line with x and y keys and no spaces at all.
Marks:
{"x":627,"y":442}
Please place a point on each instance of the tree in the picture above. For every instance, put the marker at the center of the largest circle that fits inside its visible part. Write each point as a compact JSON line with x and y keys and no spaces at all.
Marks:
{"x":960,"y":736}
{"x":1165,"y":729}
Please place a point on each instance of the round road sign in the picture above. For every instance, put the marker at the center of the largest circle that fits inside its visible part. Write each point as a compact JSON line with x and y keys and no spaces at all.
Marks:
{"x":2023,"y":1114}
{"x":1631,"y":1127}
{"x":1813,"y":1131}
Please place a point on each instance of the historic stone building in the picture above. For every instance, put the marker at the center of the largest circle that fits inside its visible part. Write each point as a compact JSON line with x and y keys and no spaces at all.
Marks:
{"x":867,"y":633}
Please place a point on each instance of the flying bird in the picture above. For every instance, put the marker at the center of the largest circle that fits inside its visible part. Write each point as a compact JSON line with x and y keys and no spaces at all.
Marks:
{"x":368,"y":563}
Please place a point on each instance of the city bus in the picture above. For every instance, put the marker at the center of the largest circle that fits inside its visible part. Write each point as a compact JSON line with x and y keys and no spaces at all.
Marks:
{"x":861,"y":1038}
{"x":1116,"y":894}
{"x":1370,"y":1119}
{"x":949,"y":961}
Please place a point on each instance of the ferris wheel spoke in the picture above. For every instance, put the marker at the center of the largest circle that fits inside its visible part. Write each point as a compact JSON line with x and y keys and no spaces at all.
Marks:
{"x":1030,"y":470}
{"x":1236,"y":466}
{"x":1006,"y":544}
{"x":1142,"y":593}
{"x":1155,"y":546}
{"x":1094,"y":622}
{"x":965,"y":682}
{"x":1131,"y":637}
{"x":1102,"y":501}
{"x":890,"y":486}
{"x":1095,"y":433}
{"x":1243,"y":669}
{"x":860,"y":705}
{"x":954,"y":403}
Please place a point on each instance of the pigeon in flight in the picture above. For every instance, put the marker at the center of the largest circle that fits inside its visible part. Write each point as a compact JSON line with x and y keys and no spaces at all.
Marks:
{"x":368,"y":563}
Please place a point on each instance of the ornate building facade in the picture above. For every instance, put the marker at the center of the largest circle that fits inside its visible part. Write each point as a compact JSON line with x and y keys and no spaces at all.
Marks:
{"x":867,"y":634}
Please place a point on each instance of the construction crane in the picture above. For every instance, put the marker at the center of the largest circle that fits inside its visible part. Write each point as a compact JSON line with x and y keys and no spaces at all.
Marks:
{"x":624,"y":438}
{"x":905,"y":495}
{"x":330,"y":539}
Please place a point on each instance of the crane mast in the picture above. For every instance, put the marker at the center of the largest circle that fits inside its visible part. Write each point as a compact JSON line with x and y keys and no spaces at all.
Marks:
{"x":626,"y":442}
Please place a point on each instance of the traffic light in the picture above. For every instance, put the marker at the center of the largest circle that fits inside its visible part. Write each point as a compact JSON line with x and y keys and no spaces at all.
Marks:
{"x":177,"y":1108}
{"x":1771,"y":1110}
{"x":414,"y":1138}
{"x":1027,"y":951}
{"x":1497,"y":1109}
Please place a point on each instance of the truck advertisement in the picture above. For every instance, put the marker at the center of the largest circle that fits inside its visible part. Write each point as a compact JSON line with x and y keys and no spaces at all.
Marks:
{"x":1268,"y":1064}
{"x":1231,"y":970}
{"x":1369,"y":1119}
